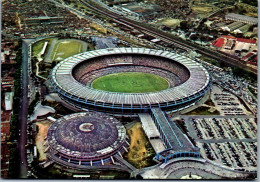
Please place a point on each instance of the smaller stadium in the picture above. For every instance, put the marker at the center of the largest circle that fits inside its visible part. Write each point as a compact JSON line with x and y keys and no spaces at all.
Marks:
{"x":82,"y":140}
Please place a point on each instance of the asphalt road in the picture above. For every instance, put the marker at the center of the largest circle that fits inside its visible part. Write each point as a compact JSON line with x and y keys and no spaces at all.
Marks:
{"x":23,"y":110}
{"x":227,"y":140}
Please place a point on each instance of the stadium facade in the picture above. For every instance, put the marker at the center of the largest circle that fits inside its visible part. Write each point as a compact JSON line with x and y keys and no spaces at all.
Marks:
{"x":71,"y":79}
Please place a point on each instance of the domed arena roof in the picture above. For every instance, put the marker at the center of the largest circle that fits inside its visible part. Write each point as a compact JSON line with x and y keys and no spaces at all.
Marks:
{"x":86,"y":136}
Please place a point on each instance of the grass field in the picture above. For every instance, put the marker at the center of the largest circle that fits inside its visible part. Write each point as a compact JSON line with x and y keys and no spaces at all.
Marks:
{"x":66,"y":49}
{"x":170,"y":22}
{"x":203,"y":111}
{"x":202,"y":9}
{"x":210,"y":103}
{"x":140,"y":150}
{"x":251,"y":14}
{"x":130,"y":82}
{"x":37,"y":47}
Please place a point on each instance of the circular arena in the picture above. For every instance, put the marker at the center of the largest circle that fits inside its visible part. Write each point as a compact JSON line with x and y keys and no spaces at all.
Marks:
{"x":72,"y":79}
{"x":85,"y":139}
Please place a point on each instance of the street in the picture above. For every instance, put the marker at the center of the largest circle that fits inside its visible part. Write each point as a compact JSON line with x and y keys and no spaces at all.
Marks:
{"x":24,"y":109}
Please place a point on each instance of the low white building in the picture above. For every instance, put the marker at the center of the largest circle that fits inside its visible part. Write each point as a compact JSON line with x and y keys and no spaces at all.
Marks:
{"x":246,"y":47}
{"x":2,"y":57}
{"x":9,"y":101}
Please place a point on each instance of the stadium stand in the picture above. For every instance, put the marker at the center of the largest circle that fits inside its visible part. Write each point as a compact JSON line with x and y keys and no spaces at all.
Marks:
{"x":190,"y":81}
{"x":88,"y":78}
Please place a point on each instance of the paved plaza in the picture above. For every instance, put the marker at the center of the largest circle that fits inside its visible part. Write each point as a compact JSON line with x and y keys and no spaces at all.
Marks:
{"x":179,"y":169}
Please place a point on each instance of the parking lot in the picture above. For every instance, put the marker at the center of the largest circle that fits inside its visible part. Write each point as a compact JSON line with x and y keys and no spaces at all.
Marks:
{"x":229,"y":141}
{"x":227,"y":103}
{"x":239,"y":87}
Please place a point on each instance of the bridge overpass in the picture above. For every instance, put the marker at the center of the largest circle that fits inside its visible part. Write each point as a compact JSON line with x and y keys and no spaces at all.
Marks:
{"x":167,"y":139}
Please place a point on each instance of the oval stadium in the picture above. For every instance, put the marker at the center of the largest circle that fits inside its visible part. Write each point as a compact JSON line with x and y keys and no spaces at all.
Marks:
{"x":85,"y":139}
{"x":73,"y":78}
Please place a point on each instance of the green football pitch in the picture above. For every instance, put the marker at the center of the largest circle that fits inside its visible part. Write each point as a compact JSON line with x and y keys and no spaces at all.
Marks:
{"x":130,"y":82}
{"x":66,"y":49}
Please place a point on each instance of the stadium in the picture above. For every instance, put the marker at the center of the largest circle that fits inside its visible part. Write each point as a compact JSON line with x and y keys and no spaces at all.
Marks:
{"x":85,"y":139}
{"x":73,"y":79}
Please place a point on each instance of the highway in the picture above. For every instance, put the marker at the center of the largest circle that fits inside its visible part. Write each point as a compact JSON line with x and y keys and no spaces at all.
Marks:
{"x":168,"y":38}
{"x":23,"y":110}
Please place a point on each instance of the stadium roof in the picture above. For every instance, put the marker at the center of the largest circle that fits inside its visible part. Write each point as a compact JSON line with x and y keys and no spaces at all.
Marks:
{"x":65,"y":83}
{"x":86,"y":135}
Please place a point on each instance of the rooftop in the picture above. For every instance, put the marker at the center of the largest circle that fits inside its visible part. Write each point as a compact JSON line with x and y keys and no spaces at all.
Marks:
{"x":176,"y":139}
{"x":251,"y":41}
{"x":84,"y":135}
{"x":62,"y":79}
{"x":242,"y":17}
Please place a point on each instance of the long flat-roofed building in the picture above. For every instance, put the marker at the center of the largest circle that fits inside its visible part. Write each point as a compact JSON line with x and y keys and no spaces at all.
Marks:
{"x":241,"y":18}
{"x":43,"y":20}
{"x":152,"y":132}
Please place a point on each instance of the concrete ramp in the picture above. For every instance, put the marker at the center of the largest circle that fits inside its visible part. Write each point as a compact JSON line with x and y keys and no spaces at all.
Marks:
{"x":152,"y":132}
{"x":125,"y":163}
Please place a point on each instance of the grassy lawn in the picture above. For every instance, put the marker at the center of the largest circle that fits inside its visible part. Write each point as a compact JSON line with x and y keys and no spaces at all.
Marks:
{"x":113,"y":174}
{"x":66,"y":49}
{"x":37,"y":47}
{"x":170,"y":22}
{"x":211,"y":61}
{"x":251,"y":14}
{"x":50,"y":172}
{"x":140,"y":151}
{"x":209,"y":102}
{"x":203,"y":111}
{"x":203,"y":9}
{"x":44,"y":74}
{"x":91,"y":47}
{"x":130,"y":82}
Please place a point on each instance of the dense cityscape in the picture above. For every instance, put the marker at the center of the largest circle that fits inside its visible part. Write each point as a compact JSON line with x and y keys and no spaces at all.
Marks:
{"x":129,"y":89}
